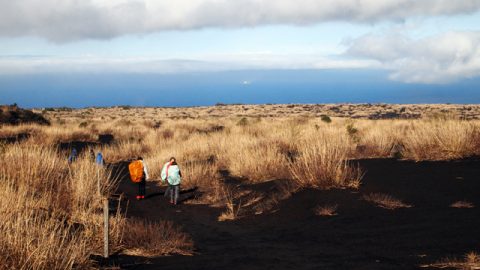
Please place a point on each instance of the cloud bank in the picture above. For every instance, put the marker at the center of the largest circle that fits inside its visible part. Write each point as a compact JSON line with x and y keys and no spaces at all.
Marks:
{"x":69,"y":20}
{"x":438,"y":59}
{"x":243,"y":61}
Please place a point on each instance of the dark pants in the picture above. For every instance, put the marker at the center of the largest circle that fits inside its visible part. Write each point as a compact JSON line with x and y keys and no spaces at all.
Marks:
{"x":141,"y":187}
{"x":167,"y":191}
{"x":174,"y":191}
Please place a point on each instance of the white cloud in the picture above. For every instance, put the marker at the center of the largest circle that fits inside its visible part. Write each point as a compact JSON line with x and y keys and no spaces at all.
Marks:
{"x":443,"y":58}
{"x":67,"y":20}
{"x":207,"y":63}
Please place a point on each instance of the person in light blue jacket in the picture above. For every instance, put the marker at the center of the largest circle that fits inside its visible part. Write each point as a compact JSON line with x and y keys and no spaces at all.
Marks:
{"x":172,"y":174}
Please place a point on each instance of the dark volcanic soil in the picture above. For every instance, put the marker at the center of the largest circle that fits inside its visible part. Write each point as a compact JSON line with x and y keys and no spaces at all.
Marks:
{"x":361,"y":236}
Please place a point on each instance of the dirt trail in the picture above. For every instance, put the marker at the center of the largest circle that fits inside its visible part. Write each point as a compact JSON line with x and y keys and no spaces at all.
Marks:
{"x":361,"y":236}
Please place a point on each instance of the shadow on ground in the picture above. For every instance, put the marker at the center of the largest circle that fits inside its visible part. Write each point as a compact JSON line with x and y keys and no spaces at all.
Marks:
{"x":81,"y":146}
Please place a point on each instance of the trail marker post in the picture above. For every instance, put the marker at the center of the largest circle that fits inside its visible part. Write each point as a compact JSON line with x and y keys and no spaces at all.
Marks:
{"x":98,"y":181}
{"x":106,"y":228}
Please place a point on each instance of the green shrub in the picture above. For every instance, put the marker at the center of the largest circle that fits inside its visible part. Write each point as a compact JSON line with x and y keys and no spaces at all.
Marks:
{"x":325,"y":118}
{"x":353,"y":132}
{"x":242,"y":122}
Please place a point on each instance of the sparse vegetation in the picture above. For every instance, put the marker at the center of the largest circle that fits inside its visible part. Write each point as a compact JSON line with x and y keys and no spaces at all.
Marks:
{"x":471,"y":261}
{"x":462,"y":204}
{"x":325,"y":118}
{"x":326,"y":210}
{"x":152,"y":239}
{"x":352,"y":132}
{"x":41,"y":192}
{"x":233,"y":206}
{"x":385,"y":201}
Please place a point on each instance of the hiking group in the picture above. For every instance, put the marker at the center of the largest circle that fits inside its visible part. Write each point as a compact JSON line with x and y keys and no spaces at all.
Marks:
{"x":138,"y":170}
{"x":98,"y":158}
{"x":170,"y":174}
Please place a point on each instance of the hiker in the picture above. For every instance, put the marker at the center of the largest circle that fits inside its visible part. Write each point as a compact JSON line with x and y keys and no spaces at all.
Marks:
{"x":169,"y":163}
{"x":92,"y":155}
{"x":99,"y":159}
{"x":139,"y":174}
{"x":73,"y":156}
{"x":171,"y":173}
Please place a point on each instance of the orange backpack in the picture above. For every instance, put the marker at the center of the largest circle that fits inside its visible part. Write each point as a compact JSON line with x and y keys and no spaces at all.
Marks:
{"x":136,"y":171}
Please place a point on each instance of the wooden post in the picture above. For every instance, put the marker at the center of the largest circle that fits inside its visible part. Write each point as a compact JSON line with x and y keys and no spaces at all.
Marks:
{"x":98,"y":180}
{"x":105,"y":228}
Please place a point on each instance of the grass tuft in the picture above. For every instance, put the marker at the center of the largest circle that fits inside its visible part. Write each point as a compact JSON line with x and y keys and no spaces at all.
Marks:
{"x":385,"y":201}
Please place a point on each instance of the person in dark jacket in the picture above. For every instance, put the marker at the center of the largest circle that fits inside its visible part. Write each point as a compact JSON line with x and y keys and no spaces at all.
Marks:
{"x":143,"y":182}
{"x":73,"y":156}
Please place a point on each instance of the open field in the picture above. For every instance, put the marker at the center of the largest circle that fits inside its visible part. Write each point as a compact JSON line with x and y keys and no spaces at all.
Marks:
{"x":354,"y":111}
{"x":295,"y":186}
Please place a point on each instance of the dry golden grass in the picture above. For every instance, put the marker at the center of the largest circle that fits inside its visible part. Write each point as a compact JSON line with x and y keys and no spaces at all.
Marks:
{"x":306,"y":149}
{"x":364,"y":111}
{"x":144,"y":238}
{"x":40,"y":190}
{"x":462,"y":204}
{"x":385,"y":201}
{"x":269,"y":140}
{"x":50,"y":211}
{"x":323,"y":164}
{"x":326,"y":210}
{"x":441,"y":140}
{"x":471,"y":261}
{"x":233,"y":206}
{"x":49,"y":219}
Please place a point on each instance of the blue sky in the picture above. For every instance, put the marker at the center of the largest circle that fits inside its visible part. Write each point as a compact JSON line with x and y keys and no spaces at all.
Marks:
{"x":80,"y":50}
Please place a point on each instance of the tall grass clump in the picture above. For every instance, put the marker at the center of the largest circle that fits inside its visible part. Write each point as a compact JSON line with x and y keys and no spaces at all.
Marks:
{"x":199,"y":174}
{"x":440,"y":139}
{"x":322,"y":162}
{"x":379,"y":139}
{"x":253,"y":159}
{"x":48,"y":217}
{"x":157,"y":238}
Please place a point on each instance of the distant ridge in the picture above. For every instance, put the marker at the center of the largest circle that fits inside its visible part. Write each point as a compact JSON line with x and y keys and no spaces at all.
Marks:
{"x":13,"y":115}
